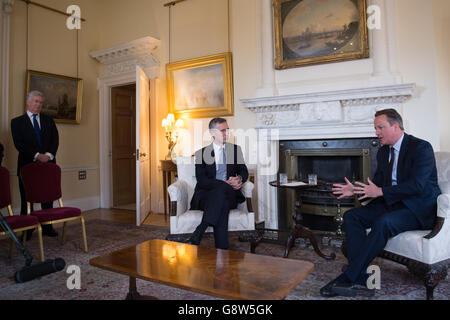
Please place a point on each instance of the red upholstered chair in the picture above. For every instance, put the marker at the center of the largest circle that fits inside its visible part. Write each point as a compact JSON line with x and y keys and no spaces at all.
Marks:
{"x":16,"y":223}
{"x":42,"y":182}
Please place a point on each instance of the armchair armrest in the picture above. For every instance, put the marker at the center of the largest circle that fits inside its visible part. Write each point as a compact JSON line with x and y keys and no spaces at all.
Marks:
{"x":247,"y":189}
{"x":443,"y":204}
{"x":178,"y":192}
{"x":443,"y":212}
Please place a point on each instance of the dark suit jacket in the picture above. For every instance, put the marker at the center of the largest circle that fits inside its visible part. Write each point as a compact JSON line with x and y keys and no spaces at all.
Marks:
{"x":205,"y":171}
{"x":417,"y":185}
{"x":26,"y":141}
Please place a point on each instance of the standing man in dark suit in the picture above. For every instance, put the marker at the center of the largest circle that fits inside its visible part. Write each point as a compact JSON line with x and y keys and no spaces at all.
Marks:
{"x":220,"y":171}
{"x":404,"y":194}
{"x":36,"y":138}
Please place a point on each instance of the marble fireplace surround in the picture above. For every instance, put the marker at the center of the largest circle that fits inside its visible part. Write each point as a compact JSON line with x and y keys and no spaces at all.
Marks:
{"x":313,"y":116}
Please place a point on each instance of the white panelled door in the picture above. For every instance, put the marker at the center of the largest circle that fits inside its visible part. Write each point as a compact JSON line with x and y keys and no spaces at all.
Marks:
{"x":142,"y":146}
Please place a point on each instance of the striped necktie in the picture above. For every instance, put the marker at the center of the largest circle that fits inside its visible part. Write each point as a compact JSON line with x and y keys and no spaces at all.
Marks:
{"x":37,"y":129}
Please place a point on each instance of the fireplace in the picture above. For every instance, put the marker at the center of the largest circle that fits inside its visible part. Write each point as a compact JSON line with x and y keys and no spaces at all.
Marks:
{"x":331,"y":160}
{"x":311,"y":122}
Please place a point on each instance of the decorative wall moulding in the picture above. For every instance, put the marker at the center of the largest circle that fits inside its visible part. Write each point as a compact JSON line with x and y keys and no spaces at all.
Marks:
{"x":332,"y":114}
{"x":386,"y":94}
{"x":7,"y":6}
{"x":124,"y":57}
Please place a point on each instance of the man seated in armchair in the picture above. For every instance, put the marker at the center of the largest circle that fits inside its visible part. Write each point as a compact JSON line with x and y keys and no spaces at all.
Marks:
{"x":404,"y":195}
{"x":220,"y":171}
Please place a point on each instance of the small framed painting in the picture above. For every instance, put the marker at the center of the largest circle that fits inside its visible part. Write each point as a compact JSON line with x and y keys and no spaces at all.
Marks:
{"x":62,"y":95}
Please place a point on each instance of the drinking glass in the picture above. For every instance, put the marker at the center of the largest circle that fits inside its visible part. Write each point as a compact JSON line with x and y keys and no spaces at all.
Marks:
{"x":312,"y":178}
{"x":283,"y":178}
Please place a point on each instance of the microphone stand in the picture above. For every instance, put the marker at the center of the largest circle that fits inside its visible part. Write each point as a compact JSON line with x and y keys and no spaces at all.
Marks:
{"x":30,"y":272}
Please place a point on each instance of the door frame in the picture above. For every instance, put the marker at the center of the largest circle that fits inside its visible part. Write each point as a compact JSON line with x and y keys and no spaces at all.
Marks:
{"x":104,"y":86}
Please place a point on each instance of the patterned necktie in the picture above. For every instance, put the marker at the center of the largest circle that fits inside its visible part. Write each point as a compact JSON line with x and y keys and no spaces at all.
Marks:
{"x":37,"y":129}
{"x":221,"y":173}
{"x":391,"y":165}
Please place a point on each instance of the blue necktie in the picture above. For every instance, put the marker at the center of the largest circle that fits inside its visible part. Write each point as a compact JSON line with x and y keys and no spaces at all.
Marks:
{"x":37,"y":129}
{"x":221,"y":173}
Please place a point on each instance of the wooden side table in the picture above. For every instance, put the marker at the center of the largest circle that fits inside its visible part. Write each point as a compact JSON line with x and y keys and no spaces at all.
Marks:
{"x":167,"y":168}
{"x":300,"y":231}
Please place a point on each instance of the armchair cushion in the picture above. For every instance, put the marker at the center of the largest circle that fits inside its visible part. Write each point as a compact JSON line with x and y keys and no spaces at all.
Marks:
{"x":188,"y":221}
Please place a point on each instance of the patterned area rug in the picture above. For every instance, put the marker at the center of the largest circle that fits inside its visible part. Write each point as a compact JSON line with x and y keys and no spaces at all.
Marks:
{"x":107,"y":236}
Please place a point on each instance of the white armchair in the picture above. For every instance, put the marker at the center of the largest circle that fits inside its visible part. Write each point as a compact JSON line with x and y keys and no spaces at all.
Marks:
{"x":184,"y":221}
{"x":426,"y":254}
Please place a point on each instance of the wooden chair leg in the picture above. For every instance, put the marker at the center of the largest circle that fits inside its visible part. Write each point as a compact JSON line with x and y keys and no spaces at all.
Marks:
{"x":83,"y":230}
{"x":41,"y":245}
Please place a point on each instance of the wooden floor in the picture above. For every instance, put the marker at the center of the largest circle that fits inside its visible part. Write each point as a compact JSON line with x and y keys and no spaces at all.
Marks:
{"x":126,"y":216}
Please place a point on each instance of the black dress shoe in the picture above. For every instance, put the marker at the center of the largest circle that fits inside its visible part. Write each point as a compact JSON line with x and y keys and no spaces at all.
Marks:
{"x":327,"y":291}
{"x":352,"y":290}
{"x":193,"y":240}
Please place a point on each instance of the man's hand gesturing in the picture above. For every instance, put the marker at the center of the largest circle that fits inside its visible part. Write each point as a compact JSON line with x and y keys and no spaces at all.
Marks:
{"x":343,"y":190}
{"x":368,"y":190}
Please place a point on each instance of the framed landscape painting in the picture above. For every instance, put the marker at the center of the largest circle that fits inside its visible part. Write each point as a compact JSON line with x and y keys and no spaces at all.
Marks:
{"x":310,"y":32}
{"x":201,"y":87}
{"x":62,"y":95}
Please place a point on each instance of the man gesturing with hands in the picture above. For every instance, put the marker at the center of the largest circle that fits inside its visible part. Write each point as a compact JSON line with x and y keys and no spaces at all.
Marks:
{"x":403,"y":194}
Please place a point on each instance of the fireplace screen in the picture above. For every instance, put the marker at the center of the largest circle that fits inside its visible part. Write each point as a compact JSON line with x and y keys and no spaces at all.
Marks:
{"x":331,"y":160}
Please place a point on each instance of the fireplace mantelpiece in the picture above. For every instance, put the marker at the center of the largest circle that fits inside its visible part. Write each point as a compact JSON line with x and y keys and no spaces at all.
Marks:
{"x":319,"y":115}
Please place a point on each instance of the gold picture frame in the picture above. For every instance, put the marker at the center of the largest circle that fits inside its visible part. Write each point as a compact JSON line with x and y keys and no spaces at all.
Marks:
{"x":201,"y":87}
{"x":62,"y":95}
{"x":311,"y":32}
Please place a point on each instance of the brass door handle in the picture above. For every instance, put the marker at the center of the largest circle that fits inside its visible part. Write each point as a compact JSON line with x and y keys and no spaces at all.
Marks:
{"x":143,"y":154}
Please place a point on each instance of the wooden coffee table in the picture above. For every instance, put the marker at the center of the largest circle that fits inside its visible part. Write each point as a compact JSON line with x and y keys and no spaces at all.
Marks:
{"x":221,"y":273}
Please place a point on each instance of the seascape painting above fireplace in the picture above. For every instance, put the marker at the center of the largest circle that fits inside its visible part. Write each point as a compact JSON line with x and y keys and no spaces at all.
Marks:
{"x":309,"y":32}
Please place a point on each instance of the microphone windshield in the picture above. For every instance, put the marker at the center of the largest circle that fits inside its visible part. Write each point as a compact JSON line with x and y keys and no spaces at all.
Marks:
{"x":39,"y":270}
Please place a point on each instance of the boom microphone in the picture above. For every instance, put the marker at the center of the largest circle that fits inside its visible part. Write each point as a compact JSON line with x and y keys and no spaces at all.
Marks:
{"x":28,"y":273}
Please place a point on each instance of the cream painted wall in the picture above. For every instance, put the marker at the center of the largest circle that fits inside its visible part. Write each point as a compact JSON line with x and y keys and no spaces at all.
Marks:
{"x":441,"y":14}
{"x":52,"y":48}
{"x":416,"y":52}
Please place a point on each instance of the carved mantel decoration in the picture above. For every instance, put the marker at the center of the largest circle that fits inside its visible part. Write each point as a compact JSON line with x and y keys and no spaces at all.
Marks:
{"x":124,"y":57}
{"x":320,"y":114}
